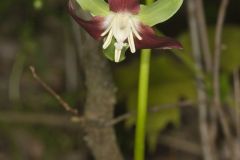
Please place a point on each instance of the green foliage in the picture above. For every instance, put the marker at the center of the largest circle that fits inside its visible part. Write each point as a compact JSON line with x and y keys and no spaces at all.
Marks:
{"x":38,"y":4}
{"x":158,"y":121}
{"x":225,"y":87}
{"x":95,"y":7}
{"x":230,"y":58}
{"x":159,"y":11}
{"x":170,"y":80}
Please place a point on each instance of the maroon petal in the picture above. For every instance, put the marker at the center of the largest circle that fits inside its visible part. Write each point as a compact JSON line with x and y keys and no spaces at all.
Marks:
{"x":93,"y":26}
{"x":151,"y":40}
{"x":124,"y":5}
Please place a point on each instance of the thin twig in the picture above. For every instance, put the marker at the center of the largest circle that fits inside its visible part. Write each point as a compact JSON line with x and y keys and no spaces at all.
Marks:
{"x":29,"y":118}
{"x":64,"y":104}
{"x":218,"y":48}
{"x":120,"y":119}
{"x":170,"y":106}
{"x":216,"y":82}
{"x":207,"y":57}
{"x":207,"y":147}
{"x":216,"y":68}
{"x":114,"y":121}
{"x":154,"y":109}
{"x":203,"y":35}
{"x":181,"y":144}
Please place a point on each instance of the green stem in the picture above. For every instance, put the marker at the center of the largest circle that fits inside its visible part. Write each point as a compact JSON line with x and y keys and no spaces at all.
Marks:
{"x":142,"y":105}
{"x":139,"y":150}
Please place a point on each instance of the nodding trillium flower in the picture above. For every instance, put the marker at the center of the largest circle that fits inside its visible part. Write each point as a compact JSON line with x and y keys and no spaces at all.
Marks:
{"x":125,"y":24}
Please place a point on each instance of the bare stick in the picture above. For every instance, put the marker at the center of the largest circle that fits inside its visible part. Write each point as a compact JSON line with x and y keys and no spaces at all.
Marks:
{"x":64,"y":104}
{"x":180,"y":144}
{"x":207,"y":147}
{"x":120,"y":119}
{"x":154,"y":109}
{"x":207,"y":59}
{"x":216,"y":68}
{"x":28,"y":118}
{"x":203,"y":35}
{"x":216,"y":74}
{"x":218,"y":47}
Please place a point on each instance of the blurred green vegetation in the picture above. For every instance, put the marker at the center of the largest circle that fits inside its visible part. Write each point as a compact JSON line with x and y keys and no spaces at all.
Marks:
{"x":172,"y":80}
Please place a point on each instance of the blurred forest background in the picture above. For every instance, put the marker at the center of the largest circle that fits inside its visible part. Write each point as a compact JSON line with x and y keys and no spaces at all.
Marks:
{"x":35,"y":126}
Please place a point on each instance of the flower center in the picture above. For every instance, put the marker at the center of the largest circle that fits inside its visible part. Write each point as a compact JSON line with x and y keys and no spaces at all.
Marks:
{"x":123,"y":27}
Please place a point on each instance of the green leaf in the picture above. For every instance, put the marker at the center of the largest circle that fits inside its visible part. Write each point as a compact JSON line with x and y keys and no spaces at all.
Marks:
{"x":230,"y":57}
{"x":170,"y":81}
{"x":110,"y":52}
{"x":38,"y":4}
{"x":95,"y":7}
{"x":157,"y":122}
{"x":159,"y":11}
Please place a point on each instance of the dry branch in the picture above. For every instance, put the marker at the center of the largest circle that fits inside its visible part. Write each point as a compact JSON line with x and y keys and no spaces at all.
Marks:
{"x":216,"y":69}
{"x":207,"y":145}
{"x":64,"y":104}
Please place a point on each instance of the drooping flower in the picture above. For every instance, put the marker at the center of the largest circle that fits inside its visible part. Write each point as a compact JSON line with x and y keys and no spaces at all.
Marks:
{"x":124,"y":23}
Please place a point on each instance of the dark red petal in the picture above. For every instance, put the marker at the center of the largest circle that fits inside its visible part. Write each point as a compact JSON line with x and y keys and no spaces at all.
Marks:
{"x":93,"y":27}
{"x":151,"y":40}
{"x":124,"y":5}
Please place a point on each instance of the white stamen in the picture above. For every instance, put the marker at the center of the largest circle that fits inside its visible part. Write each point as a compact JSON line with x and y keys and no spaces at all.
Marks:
{"x":117,"y":55}
{"x":108,"y":40}
{"x":118,"y":50}
{"x":123,"y":27}
{"x":131,"y":43}
{"x":107,"y":30}
{"x":133,"y":27}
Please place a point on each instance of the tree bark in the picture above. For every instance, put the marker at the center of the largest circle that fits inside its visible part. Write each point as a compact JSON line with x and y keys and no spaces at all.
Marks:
{"x":100,"y":99}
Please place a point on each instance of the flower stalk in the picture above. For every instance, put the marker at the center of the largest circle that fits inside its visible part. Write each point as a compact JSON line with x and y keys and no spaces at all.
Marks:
{"x":140,"y":134}
{"x":142,"y":104}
